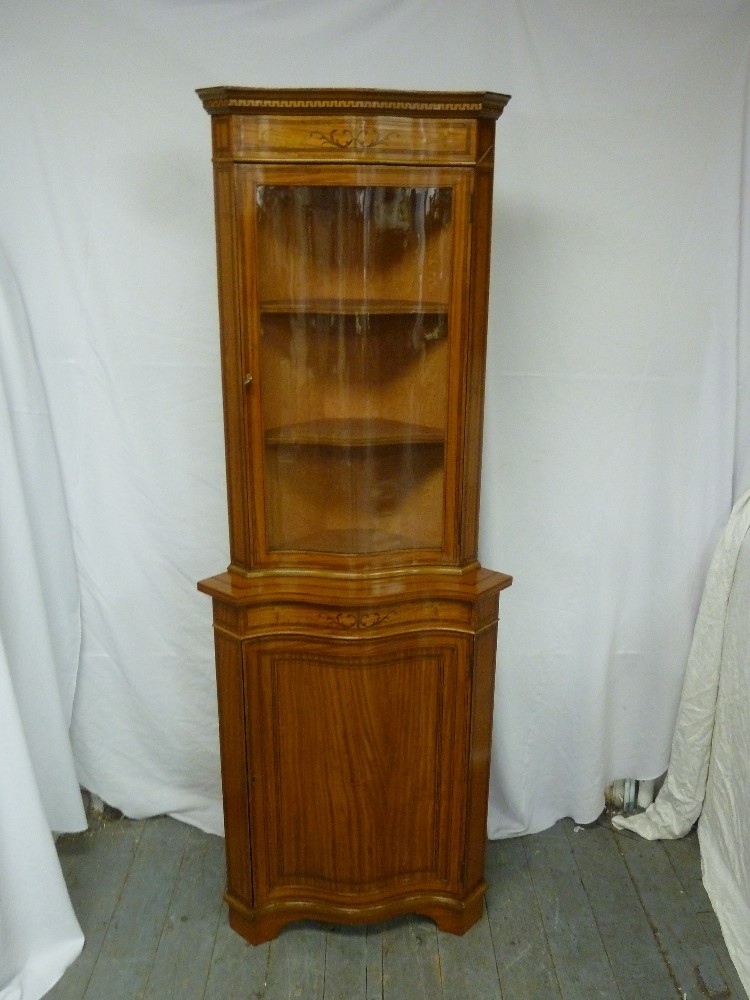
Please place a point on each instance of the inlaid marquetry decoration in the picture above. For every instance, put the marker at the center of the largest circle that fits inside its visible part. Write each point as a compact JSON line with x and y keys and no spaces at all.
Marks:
{"x":358,"y":619}
{"x":364,"y":138}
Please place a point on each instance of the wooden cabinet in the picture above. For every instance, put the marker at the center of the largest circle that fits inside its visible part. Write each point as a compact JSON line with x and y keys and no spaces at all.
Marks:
{"x":355,"y":630}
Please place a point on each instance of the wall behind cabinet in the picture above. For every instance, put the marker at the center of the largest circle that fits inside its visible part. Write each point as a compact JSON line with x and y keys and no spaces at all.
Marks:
{"x":618,"y":333}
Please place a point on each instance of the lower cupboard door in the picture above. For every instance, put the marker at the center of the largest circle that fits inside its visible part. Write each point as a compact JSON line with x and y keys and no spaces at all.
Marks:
{"x":357,"y":752}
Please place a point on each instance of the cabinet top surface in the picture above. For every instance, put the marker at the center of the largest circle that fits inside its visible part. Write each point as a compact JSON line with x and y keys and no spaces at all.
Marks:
{"x":412,"y":103}
{"x":270,"y":588}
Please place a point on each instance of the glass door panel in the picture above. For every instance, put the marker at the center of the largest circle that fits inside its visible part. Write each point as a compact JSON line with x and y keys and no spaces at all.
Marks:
{"x":354,"y":290}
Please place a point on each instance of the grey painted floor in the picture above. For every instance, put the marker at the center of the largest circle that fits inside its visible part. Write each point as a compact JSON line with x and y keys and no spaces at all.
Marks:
{"x":575,"y":913}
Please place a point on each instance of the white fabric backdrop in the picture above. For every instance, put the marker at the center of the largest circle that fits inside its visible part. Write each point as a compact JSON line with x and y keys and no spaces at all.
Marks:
{"x":39,"y":646}
{"x":615,"y":437}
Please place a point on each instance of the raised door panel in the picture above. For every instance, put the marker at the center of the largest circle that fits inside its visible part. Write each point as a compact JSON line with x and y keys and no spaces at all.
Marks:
{"x":357,"y":753}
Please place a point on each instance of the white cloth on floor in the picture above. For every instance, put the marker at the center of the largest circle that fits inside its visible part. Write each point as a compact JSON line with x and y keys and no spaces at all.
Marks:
{"x":709,"y":771}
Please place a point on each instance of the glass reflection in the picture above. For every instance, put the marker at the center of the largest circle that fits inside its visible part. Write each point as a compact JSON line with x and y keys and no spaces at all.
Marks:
{"x":354,"y":287}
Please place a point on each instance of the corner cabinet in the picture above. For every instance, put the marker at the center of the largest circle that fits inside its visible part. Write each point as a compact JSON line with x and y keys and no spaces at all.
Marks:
{"x":355,"y":630}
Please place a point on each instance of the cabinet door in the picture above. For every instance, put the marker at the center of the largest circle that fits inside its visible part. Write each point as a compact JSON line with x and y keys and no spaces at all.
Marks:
{"x":358,"y":753}
{"x":354,"y":320}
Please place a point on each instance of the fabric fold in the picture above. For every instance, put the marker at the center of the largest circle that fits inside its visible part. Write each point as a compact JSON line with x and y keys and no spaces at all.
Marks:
{"x":39,"y":646}
{"x":708,"y":779}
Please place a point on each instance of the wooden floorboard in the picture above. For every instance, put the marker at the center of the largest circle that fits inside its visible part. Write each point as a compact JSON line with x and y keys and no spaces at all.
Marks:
{"x":131,"y":943}
{"x":374,"y":963}
{"x":411,"y":962}
{"x":346,"y":963}
{"x":684,"y":857}
{"x":572,"y":913}
{"x":183,"y":956}
{"x":297,"y":963}
{"x":638,"y":969}
{"x":238,"y":970}
{"x":682,"y":937}
{"x":581,"y":962}
{"x":524,"y":963}
{"x":468,"y":970}
{"x":95,"y":865}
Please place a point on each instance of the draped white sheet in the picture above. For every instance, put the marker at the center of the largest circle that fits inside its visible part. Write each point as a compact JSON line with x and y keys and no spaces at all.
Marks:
{"x":709,"y":769}
{"x":616,"y":432}
{"x":39,"y":641}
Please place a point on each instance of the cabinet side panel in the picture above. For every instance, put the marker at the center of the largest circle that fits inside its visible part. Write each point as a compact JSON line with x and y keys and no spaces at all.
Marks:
{"x":479,"y":280}
{"x":482,"y":703}
{"x":231,"y":703}
{"x":460,"y":307}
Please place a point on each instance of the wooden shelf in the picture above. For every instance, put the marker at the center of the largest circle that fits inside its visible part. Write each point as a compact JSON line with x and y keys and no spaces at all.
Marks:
{"x":353,"y":541}
{"x":354,"y":433}
{"x":353,"y":307}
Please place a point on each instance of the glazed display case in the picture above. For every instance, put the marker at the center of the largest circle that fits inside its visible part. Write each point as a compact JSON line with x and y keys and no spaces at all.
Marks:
{"x":355,"y":629}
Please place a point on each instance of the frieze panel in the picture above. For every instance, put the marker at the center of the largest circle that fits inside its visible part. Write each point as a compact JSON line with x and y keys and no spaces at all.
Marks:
{"x":344,"y":138}
{"x":356,"y":619}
